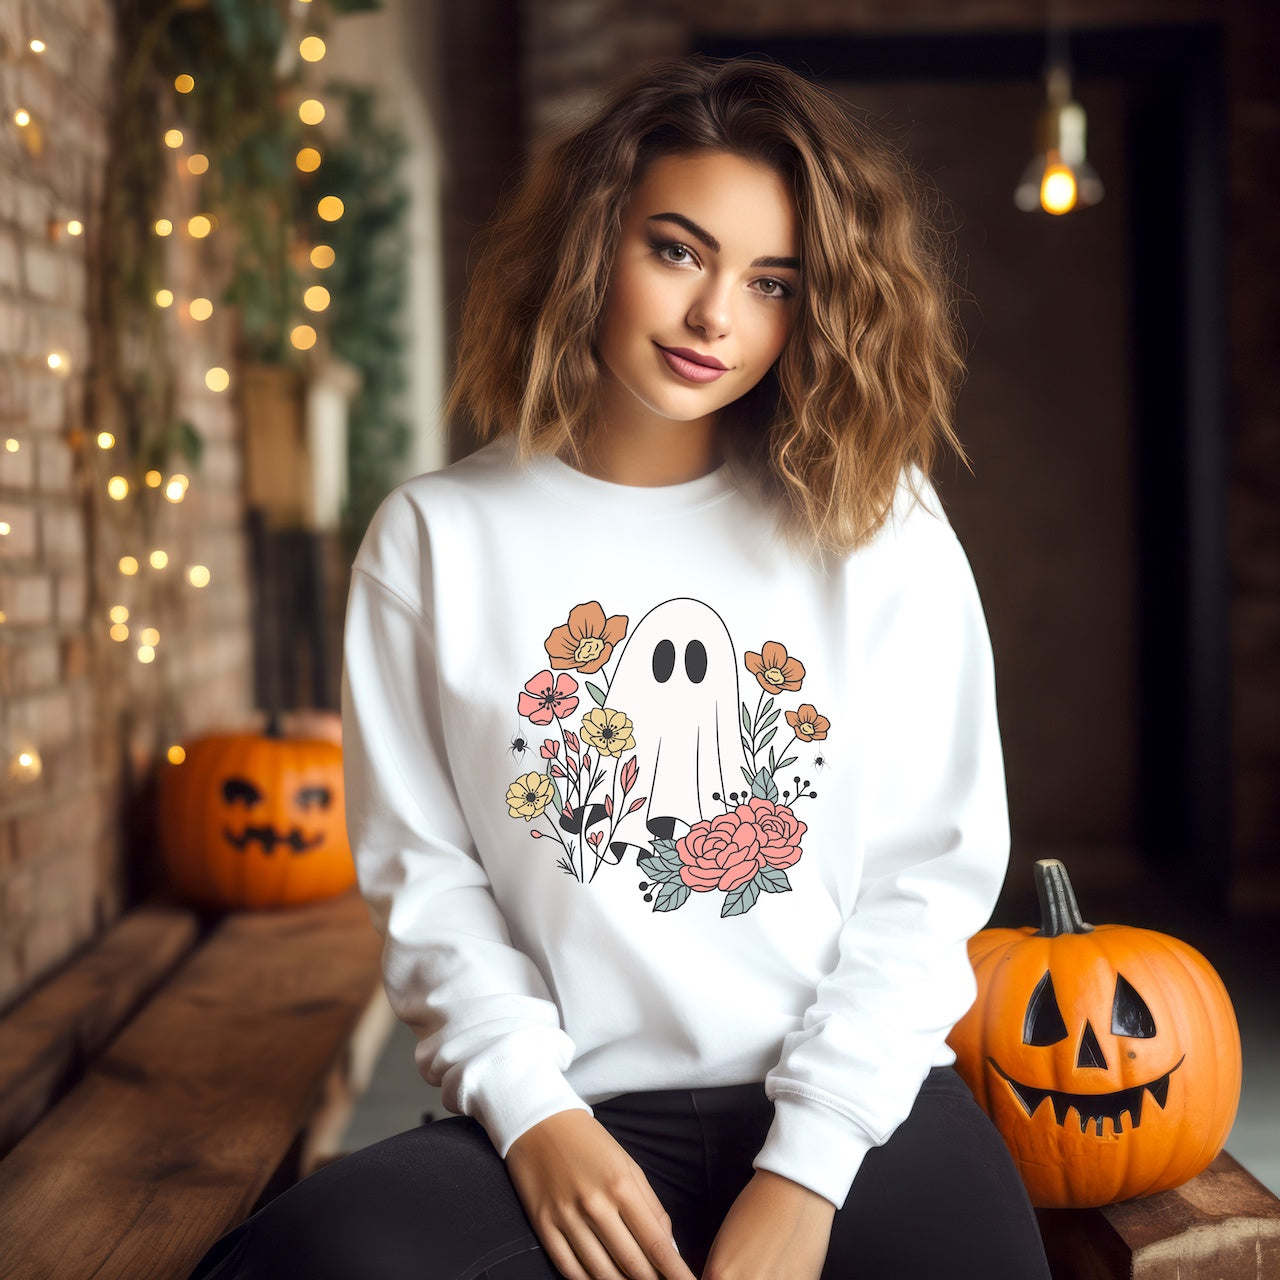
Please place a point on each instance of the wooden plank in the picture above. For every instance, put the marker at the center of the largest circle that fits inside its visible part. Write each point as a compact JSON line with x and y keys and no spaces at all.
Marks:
{"x":1223,"y":1224}
{"x":47,"y":1040}
{"x":179,"y":1124}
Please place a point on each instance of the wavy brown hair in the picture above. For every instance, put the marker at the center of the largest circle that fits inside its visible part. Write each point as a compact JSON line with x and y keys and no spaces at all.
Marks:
{"x":865,"y":386}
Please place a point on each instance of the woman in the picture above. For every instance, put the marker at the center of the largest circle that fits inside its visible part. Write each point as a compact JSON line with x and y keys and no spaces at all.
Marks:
{"x":674,"y":775}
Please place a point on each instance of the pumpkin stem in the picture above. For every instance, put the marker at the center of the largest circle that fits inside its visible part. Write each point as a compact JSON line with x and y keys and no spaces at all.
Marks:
{"x":274,"y":728}
{"x":1059,"y":911}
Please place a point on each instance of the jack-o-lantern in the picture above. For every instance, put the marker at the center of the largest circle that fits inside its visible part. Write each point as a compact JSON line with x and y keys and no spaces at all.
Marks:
{"x":255,"y":820}
{"x":1108,"y":1056}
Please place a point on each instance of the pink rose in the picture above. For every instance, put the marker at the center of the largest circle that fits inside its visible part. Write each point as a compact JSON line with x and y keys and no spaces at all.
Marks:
{"x":780,"y":831}
{"x":721,"y":854}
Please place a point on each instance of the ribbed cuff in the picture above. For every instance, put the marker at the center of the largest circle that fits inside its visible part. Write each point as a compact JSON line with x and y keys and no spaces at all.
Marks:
{"x":528,"y":1094}
{"x":814,"y":1145}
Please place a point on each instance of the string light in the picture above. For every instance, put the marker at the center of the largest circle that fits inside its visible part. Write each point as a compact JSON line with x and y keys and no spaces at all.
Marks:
{"x":322,"y":256}
{"x":200,"y":308}
{"x":217,"y":379}
{"x":57,"y":361}
{"x":307,"y":160}
{"x":311,"y":111}
{"x":119,"y":632}
{"x":184,"y":83}
{"x":22,"y":117}
{"x":37,"y":46}
{"x":159,"y":559}
{"x":5,"y":528}
{"x":174,"y":491}
{"x":164,"y":227}
{"x":173,"y":138}
{"x":330,"y":208}
{"x":26,"y":765}
{"x":198,"y":575}
{"x":146,"y":653}
{"x":199,"y":226}
{"x":118,"y":488}
{"x":316,"y":298}
{"x":11,"y":445}
{"x":105,"y":440}
{"x":312,"y":48}
{"x":153,"y":479}
{"x":128,"y":566}
{"x":75,"y":227}
{"x":119,"y":613}
{"x":150,"y":635}
{"x":176,"y":754}
{"x":303,"y":337}
{"x":198,"y":163}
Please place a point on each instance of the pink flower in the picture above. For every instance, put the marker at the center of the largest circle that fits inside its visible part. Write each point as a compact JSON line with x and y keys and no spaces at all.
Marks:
{"x":550,"y":749}
{"x":780,"y":831}
{"x":546,"y":696}
{"x":721,"y":854}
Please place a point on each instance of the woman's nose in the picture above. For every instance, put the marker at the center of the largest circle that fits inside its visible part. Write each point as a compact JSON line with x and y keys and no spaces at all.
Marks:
{"x":711,"y":313}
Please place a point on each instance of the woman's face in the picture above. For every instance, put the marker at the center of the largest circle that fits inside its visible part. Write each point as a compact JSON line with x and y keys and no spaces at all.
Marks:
{"x":704,"y":292}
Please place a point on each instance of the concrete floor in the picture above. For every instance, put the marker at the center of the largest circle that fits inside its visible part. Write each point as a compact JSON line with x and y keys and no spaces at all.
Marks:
{"x":1243,"y":949}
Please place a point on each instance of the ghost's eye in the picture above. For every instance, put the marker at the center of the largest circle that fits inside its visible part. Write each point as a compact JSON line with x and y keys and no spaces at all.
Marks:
{"x":695,"y":661}
{"x":664,"y":661}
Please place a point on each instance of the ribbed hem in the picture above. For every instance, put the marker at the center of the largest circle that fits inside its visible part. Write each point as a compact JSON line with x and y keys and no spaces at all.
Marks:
{"x":815,"y":1146}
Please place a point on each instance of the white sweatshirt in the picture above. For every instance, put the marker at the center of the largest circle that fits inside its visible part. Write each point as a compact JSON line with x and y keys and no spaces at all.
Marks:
{"x":642,"y":799}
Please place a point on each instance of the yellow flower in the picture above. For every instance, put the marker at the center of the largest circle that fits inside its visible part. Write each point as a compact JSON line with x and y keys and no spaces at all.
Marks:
{"x":608,"y":731}
{"x":529,"y":795}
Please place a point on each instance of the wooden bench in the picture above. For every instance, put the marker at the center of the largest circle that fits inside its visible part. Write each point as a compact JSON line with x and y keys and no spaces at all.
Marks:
{"x":173,"y":1078}
{"x":164,"y":1084}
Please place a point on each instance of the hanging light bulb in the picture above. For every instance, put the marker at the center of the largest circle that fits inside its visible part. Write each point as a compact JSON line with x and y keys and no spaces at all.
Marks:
{"x":1059,"y":178}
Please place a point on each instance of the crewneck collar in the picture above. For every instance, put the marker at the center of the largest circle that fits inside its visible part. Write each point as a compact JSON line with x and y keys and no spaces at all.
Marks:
{"x":566,"y":481}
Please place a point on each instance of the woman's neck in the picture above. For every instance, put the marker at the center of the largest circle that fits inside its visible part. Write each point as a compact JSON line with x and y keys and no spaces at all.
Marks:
{"x":666,"y":453}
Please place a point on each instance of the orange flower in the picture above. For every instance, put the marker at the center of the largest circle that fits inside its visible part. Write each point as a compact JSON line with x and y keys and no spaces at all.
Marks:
{"x":586,"y":640}
{"x":774,"y":669}
{"x":809,"y":726}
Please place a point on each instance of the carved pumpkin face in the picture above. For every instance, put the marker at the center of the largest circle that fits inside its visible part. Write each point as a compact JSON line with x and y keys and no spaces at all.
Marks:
{"x":255,"y":821}
{"x":1108,"y":1057}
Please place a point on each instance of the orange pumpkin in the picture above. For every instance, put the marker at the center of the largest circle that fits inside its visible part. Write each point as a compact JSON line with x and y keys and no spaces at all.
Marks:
{"x":255,"y":820}
{"x":1108,"y":1056}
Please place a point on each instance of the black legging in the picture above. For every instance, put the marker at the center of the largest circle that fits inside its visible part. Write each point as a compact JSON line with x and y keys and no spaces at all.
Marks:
{"x":941,"y":1199}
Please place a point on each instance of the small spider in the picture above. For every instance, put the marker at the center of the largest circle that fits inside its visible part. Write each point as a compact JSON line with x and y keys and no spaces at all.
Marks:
{"x":519,"y":745}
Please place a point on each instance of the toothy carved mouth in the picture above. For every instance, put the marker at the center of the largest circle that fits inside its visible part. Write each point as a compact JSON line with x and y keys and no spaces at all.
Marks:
{"x":269,"y":837}
{"x":1092,"y":1107}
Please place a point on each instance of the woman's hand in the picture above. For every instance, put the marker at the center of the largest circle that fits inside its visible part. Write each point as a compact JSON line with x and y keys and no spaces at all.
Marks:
{"x":590,"y":1203}
{"x":775,"y":1230}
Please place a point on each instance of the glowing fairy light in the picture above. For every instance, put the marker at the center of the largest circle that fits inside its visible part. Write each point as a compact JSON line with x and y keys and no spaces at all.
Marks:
{"x":200,"y":308}
{"x":11,"y":445}
{"x":217,"y":379}
{"x":119,"y":632}
{"x":128,"y":565}
{"x":307,"y":160}
{"x":303,"y":337}
{"x":176,"y":754}
{"x":164,"y":227}
{"x":37,"y":46}
{"x":149,"y":635}
{"x":175,"y":491}
{"x":312,"y":49}
{"x":330,"y":208}
{"x":311,"y":111}
{"x":105,"y":440}
{"x":199,"y":226}
{"x":26,"y":765}
{"x":159,"y":559}
{"x":322,"y":257}
{"x":164,"y":297}
{"x":198,"y":575}
{"x":173,"y":138}
{"x":184,"y":83}
{"x":198,"y":163}
{"x":146,"y":653}
{"x":119,"y":613}
{"x":75,"y":227}
{"x":118,"y":488}
{"x":316,"y":298}
{"x":22,"y":117}
{"x":153,"y":479}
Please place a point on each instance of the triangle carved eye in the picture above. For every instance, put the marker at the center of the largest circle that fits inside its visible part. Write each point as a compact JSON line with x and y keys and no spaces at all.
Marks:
{"x":1129,"y":1013}
{"x":1043,"y":1024}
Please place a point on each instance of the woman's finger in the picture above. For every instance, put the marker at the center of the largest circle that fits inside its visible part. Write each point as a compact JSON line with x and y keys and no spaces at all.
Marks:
{"x":652,"y":1232}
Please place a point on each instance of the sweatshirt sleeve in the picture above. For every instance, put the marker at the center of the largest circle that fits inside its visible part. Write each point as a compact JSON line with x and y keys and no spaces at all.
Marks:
{"x":489,"y":1034}
{"x":936,"y":843}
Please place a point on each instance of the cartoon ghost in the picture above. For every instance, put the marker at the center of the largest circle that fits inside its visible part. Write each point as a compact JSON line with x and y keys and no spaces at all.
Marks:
{"x":677,"y":679}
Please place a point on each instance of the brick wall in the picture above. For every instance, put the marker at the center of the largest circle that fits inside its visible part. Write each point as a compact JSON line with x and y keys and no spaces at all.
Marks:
{"x":70,"y":854}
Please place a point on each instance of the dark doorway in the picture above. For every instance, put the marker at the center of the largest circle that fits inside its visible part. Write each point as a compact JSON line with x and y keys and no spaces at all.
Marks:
{"x":1122,"y":740}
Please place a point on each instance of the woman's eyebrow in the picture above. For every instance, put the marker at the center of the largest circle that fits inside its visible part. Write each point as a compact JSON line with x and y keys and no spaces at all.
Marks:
{"x":705,"y":237}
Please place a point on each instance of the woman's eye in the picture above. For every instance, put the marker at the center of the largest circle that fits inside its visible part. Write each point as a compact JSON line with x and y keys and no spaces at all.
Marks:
{"x":676,"y":253}
{"x":773,"y":288}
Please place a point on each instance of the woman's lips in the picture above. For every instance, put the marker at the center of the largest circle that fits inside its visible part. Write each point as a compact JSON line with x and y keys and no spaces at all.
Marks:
{"x":692,"y":365}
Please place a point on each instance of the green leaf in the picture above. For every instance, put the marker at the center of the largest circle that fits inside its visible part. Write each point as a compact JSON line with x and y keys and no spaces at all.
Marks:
{"x":740,"y":900}
{"x":763,"y":786}
{"x":773,"y":880}
{"x":659,"y":871}
{"x":750,"y":777}
{"x":665,"y":848}
{"x":671,"y":896}
{"x":746,"y":718}
{"x":768,"y":737}
{"x":773,"y":764}
{"x":555,"y":791}
{"x":766,"y":721}
{"x":782,"y":764}
{"x":596,"y":693}
{"x":746,"y":747}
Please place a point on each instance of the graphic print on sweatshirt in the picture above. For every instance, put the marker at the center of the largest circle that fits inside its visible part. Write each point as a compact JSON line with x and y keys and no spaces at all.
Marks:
{"x":664,"y":757}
